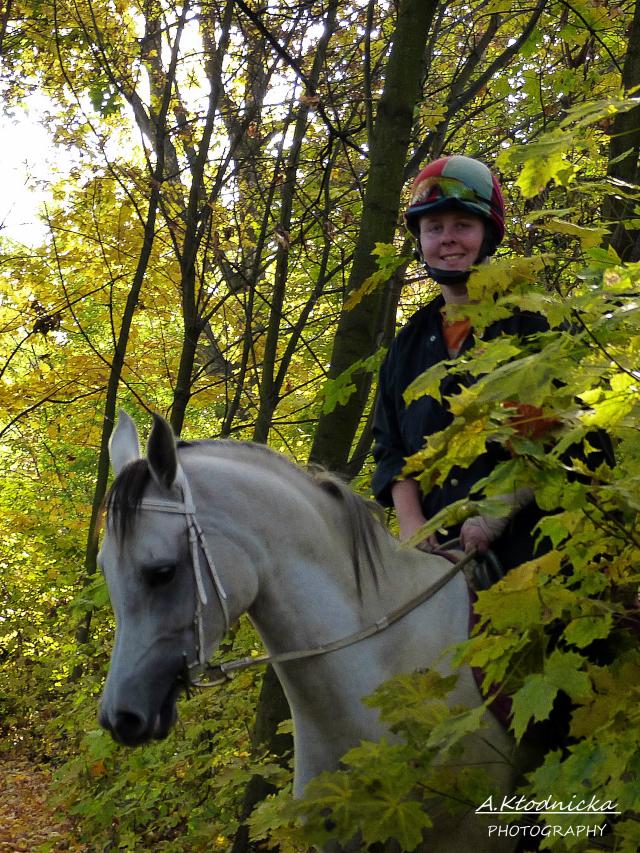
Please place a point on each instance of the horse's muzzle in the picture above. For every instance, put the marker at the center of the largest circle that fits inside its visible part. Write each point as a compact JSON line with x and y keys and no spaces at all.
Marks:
{"x":133,"y":727}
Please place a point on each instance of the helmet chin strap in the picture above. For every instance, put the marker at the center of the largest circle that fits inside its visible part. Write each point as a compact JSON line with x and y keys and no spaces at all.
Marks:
{"x":447,"y":276}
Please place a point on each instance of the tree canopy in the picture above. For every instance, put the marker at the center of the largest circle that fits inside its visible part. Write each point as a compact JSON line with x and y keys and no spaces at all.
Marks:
{"x":225,"y":246}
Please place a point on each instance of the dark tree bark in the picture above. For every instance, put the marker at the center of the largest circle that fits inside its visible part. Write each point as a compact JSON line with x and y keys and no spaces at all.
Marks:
{"x":196,"y":219}
{"x":360,"y":330}
{"x":272,"y":706}
{"x":623,"y":166}
{"x":272,"y":710}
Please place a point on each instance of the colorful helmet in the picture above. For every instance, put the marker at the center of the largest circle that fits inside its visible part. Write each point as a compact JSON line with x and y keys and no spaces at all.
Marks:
{"x":453,"y":183}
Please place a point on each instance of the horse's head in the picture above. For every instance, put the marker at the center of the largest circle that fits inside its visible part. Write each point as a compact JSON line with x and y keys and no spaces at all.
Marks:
{"x":147,"y":557}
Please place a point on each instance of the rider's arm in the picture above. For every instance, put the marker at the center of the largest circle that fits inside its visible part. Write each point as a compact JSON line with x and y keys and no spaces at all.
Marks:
{"x":406,"y":500}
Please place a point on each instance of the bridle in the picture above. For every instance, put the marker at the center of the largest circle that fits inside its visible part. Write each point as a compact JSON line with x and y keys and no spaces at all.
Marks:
{"x":197,"y":542}
{"x":217,"y":674}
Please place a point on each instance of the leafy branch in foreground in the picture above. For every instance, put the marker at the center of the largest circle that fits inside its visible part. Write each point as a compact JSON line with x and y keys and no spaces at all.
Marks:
{"x":559,"y":633}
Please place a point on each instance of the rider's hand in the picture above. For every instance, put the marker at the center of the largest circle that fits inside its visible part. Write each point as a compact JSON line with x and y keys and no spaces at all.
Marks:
{"x":480,"y":531}
{"x":476,"y":535}
{"x":429,"y":544}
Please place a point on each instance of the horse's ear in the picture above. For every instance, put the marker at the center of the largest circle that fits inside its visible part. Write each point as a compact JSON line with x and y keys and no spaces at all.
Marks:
{"x":161,"y":453}
{"x":123,"y":444}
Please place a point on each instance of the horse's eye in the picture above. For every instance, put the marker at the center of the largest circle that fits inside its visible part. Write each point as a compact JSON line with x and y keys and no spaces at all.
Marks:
{"x":158,"y":575}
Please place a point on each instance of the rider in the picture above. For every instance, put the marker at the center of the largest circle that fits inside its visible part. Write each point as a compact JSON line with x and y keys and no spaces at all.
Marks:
{"x":456,"y":215}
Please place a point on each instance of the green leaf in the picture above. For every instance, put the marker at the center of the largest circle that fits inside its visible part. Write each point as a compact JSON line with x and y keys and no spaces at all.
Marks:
{"x":485,"y":358}
{"x":458,"y":445}
{"x":504,"y":274}
{"x":523,"y":599}
{"x":584,"y":630}
{"x":493,"y":653}
{"x":542,"y":161}
{"x":534,"y":701}
{"x":367,"y":759}
{"x":98,"y":745}
{"x":451,"y":730}
{"x":376,"y":809}
{"x":590,"y":111}
{"x":393,"y":817}
{"x":332,"y":791}
{"x":565,"y":670}
{"x":428,"y":383}
{"x":546,"y":213}
{"x":337,"y":392}
{"x":273,"y":814}
{"x":589,"y":237}
{"x":388,"y":262}
{"x":519,"y":608}
{"x":555,"y":528}
{"x":285,"y":727}
{"x":419,"y":695}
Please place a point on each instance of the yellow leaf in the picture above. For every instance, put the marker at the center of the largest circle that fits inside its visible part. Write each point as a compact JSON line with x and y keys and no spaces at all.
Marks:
{"x":589,"y":237}
{"x":97,"y":769}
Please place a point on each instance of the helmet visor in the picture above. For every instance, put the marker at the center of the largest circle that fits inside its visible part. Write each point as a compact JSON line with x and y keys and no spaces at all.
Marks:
{"x":435,"y":188}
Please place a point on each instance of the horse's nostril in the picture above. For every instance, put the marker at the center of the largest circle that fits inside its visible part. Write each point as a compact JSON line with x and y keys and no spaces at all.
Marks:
{"x":129,"y":726}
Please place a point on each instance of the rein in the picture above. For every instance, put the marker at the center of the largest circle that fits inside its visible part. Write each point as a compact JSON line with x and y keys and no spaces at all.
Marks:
{"x":217,"y":674}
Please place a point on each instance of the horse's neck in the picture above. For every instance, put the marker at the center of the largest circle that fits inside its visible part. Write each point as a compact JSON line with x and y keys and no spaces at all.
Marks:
{"x":313,"y":597}
{"x":283,"y":549}
{"x":268,"y":525}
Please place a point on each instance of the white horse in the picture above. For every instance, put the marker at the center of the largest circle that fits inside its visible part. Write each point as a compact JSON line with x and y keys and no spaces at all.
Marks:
{"x":199,"y":533}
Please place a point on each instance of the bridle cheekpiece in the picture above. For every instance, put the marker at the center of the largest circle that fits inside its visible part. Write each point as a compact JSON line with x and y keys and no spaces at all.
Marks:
{"x":197,"y":543}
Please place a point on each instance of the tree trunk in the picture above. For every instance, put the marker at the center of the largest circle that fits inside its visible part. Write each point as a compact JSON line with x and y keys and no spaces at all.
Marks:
{"x":196,"y":218}
{"x":360,"y":330}
{"x":271,"y":711}
{"x":626,"y":138}
{"x":272,"y":706}
{"x":395,"y":118}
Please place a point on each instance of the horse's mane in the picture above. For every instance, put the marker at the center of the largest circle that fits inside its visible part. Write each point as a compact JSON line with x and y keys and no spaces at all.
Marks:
{"x":364,"y":519}
{"x":124,"y":498}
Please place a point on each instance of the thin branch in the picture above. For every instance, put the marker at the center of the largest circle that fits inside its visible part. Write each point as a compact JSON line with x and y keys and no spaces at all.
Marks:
{"x":368,"y":94}
{"x":6,"y":15}
{"x":50,"y":398}
{"x":311,"y":88}
{"x":593,"y":33}
{"x":469,"y":94}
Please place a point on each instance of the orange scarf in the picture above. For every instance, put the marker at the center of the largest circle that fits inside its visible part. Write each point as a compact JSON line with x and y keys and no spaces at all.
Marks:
{"x":455,"y":333}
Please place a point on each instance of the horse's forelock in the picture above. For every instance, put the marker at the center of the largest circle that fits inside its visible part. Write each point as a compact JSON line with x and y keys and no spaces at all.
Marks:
{"x":123,"y":499}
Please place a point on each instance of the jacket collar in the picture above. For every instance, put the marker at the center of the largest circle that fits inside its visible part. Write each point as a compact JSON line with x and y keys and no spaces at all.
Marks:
{"x":429,"y":313}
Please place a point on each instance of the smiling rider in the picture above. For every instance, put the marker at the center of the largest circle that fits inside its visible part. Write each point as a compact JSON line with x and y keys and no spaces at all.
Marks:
{"x":457,"y":217}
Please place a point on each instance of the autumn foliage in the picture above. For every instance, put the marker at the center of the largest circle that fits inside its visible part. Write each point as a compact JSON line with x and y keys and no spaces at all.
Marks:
{"x":197,"y":260}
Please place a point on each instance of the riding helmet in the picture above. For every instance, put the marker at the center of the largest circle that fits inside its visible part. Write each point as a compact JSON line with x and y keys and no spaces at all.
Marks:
{"x":458,"y":183}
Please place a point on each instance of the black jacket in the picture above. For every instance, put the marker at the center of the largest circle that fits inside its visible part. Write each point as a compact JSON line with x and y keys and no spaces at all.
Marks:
{"x":400,"y":431}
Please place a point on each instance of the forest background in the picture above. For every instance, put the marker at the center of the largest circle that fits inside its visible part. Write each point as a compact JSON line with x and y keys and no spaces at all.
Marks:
{"x":224,"y":245}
